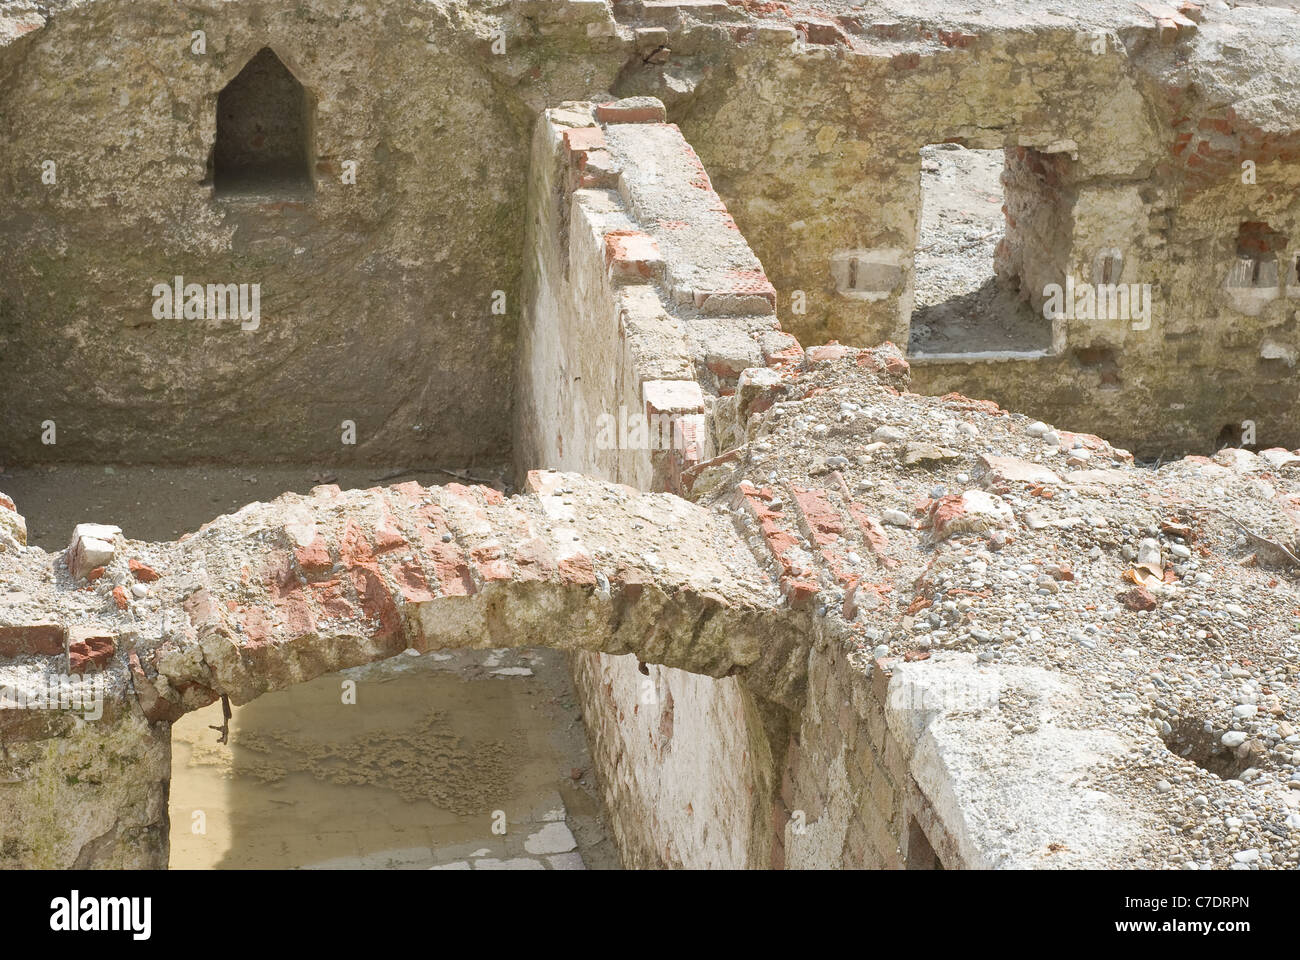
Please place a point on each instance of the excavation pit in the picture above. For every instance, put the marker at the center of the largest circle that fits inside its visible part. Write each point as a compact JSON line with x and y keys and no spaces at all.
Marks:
{"x":1191,"y":741}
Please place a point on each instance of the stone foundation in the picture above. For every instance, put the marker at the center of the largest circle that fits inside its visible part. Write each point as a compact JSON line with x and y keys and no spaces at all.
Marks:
{"x":816,"y":619}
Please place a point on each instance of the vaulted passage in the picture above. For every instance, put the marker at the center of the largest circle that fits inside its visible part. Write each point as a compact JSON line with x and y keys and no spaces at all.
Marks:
{"x":264,"y":126}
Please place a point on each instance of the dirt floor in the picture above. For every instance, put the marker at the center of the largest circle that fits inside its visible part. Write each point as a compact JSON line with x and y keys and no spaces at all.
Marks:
{"x":960,"y":306}
{"x":161,"y":503}
{"x":476,"y":760}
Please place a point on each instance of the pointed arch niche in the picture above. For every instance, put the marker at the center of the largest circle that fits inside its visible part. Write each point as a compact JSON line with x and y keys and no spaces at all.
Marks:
{"x":264,"y":132}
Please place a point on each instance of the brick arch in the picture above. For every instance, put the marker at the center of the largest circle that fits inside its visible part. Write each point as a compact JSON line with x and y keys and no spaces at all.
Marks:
{"x":280,"y":593}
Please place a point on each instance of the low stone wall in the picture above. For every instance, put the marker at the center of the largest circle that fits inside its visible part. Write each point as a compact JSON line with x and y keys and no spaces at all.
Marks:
{"x":645,"y":302}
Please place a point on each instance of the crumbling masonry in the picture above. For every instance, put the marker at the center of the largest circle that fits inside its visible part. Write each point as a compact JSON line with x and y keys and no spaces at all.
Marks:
{"x":884,"y":628}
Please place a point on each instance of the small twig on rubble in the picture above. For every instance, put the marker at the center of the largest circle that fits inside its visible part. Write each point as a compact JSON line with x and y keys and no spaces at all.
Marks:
{"x":224,"y":729}
{"x":1260,"y":541}
{"x":965,"y":246}
{"x":465,"y":475}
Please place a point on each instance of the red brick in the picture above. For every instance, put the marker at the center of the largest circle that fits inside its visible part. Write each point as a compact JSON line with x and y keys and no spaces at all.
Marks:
{"x":411,"y":582}
{"x":898,"y":367}
{"x":489,"y":561}
{"x":90,"y":649}
{"x":257,"y":625}
{"x":823,"y":519}
{"x":799,"y":592}
{"x":354,"y":548}
{"x":578,"y":140}
{"x":294,"y":610}
{"x":43,"y":639}
{"x":141,"y":572}
{"x":119,"y":598}
{"x":544,"y":482}
{"x":533,"y":560}
{"x":945,"y":511}
{"x":376,"y":602}
{"x":314,"y":559}
{"x":450,"y":565}
{"x":387,"y":537}
{"x":577,"y":569}
{"x":781,"y":349}
{"x":1139,"y":598}
{"x":332,"y":602}
{"x":873,"y":534}
{"x":410,"y":490}
{"x":631,"y":253}
{"x":200,"y":607}
{"x":796,"y":583}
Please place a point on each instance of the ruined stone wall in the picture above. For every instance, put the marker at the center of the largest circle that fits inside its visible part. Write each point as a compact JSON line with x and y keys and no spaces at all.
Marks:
{"x":132,"y":635}
{"x":842,"y":800}
{"x":391,"y":302}
{"x":850,"y":112}
{"x":697,"y":772}
{"x":85,"y":788}
{"x":642,"y":298}
{"x":624,"y":322}
{"x":1154,"y":118}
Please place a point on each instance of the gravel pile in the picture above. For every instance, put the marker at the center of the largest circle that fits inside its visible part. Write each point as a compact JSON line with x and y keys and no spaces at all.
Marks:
{"x":1136,"y":584}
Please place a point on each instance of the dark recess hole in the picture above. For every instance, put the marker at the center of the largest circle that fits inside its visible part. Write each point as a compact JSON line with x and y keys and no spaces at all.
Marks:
{"x":1258,"y":246}
{"x":1099,"y":359}
{"x":264,"y":120}
{"x":920,"y":852}
{"x":1188,"y":738}
{"x":1229,"y":436}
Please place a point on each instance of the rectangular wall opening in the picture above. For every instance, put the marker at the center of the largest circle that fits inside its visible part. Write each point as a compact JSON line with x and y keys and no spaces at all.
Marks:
{"x":962,"y":308}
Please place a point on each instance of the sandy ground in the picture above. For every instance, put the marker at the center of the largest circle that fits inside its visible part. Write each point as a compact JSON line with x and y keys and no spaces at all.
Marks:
{"x":436,"y":752}
{"x":960,"y":307}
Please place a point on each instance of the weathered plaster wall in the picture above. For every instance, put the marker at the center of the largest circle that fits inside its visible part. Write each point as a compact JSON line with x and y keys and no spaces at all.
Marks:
{"x":78,"y":792}
{"x":390,"y":281}
{"x":684,"y":762}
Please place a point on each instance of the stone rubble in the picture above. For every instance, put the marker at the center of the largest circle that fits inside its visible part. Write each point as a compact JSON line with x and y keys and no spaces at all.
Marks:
{"x":1005,"y":553}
